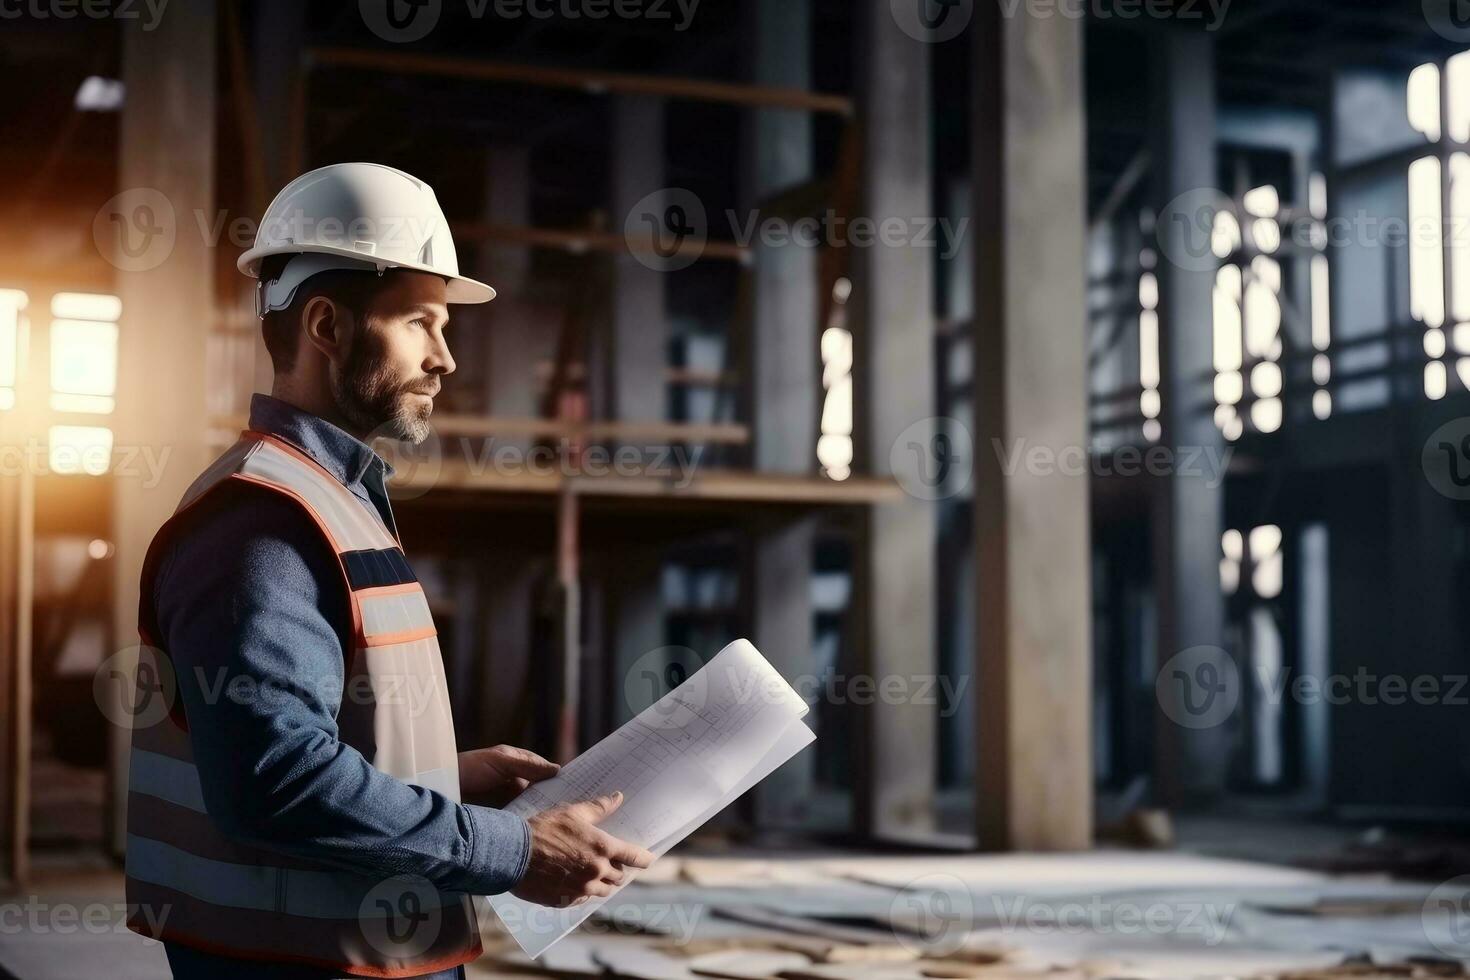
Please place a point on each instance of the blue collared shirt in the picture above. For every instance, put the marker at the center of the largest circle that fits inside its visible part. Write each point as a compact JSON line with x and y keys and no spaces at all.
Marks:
{"x":250,"y":589}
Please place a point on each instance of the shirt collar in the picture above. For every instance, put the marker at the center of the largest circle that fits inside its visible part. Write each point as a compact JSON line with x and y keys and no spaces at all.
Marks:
{"x":341,"y":454}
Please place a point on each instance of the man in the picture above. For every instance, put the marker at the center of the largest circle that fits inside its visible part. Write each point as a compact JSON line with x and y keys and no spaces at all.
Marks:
{"x":296,"y":813}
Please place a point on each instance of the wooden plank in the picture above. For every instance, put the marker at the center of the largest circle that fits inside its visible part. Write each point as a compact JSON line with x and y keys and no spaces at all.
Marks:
{"x":591,"y":82}
{"x":724,"y":485}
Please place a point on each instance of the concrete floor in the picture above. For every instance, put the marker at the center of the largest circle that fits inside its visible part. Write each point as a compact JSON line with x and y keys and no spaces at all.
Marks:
{"x":1101,"y":914}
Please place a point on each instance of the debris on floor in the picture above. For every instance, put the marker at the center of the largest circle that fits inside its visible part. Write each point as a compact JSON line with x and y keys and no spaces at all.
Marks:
{"x":1095,"y":916}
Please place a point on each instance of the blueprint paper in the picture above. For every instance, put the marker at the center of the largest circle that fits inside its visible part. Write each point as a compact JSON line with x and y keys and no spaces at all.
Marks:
{"x":682,"y":760}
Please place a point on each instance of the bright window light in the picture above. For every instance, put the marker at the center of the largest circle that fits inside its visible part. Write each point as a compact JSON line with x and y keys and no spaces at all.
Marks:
{"x":1263,"y":201}
{"x":98,"y":94}
{"x":1266,"y":414}
{"x":80,"y":449}
{"x":1457,"y":78}
{"x":12,"y":304}
{"x":1426,"y":255}
{"x":86,"y":306}
{"x":1317,"y":195}
{"x":1436,"y":380}
{"x":84,"y":360}
{"x":1321,"y":304}
{"x":1423,"y":101}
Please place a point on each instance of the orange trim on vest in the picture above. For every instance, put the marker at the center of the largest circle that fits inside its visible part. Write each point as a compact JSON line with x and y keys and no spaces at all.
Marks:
{"x":402,"y":636}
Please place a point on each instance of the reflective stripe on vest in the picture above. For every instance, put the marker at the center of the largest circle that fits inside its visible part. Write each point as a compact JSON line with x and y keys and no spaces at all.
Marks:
{"x":191,"y":884}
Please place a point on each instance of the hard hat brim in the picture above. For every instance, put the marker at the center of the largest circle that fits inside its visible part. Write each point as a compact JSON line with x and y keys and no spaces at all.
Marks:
{"x":459,"y":289}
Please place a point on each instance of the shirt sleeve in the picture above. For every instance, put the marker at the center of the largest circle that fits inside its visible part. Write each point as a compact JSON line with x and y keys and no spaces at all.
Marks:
{"x":253,"y":614}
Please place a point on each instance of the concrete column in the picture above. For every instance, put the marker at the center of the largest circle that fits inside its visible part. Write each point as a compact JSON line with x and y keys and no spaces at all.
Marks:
{"x":1034,"y":659}
{"x":1190,"y":763}
{"x":785,"y":383}
{"x":637,"y":357}
{"x":635,"y":617}
{"x":167,"y":164}
{"x":638,"y":352}
{"x":895,"y":290}
{"x":511,"y":341}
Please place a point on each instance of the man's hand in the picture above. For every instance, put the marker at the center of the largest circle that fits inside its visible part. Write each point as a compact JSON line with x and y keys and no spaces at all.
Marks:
{"x":495,"y":776}
{"x":571,"y":859}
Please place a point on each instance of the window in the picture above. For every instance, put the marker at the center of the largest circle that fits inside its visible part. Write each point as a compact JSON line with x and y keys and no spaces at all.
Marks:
{"x":12,"y":312}
{"x":84,"y":352}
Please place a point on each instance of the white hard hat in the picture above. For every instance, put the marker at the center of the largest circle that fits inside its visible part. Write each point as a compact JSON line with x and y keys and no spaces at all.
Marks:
{"x":356,"y":216}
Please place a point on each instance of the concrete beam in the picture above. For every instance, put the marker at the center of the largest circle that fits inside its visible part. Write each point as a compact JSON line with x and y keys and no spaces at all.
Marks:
{"x":895,"y":300}
{"x":785,"y":381}
{"x":166,"y":163}
{"x":1034,"y":787}
{"x":640,"y":328}
{"x":1190,"y":762}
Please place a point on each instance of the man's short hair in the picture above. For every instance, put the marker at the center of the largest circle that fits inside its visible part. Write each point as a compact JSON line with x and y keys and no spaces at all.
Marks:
{"x":281,"y":329}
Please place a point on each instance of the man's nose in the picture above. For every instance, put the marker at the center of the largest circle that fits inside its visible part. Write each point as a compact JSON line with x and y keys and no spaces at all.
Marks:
{"x":440,"y":361}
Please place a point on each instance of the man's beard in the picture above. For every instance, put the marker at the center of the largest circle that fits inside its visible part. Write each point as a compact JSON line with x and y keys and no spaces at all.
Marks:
{"x":372,"y":401}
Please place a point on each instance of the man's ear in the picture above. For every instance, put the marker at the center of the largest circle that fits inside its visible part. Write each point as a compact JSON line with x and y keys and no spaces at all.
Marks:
{"x":328,"y":326}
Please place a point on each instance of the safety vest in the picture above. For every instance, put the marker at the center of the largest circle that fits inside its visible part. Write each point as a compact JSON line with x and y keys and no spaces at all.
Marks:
{"x":186,"y":881}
